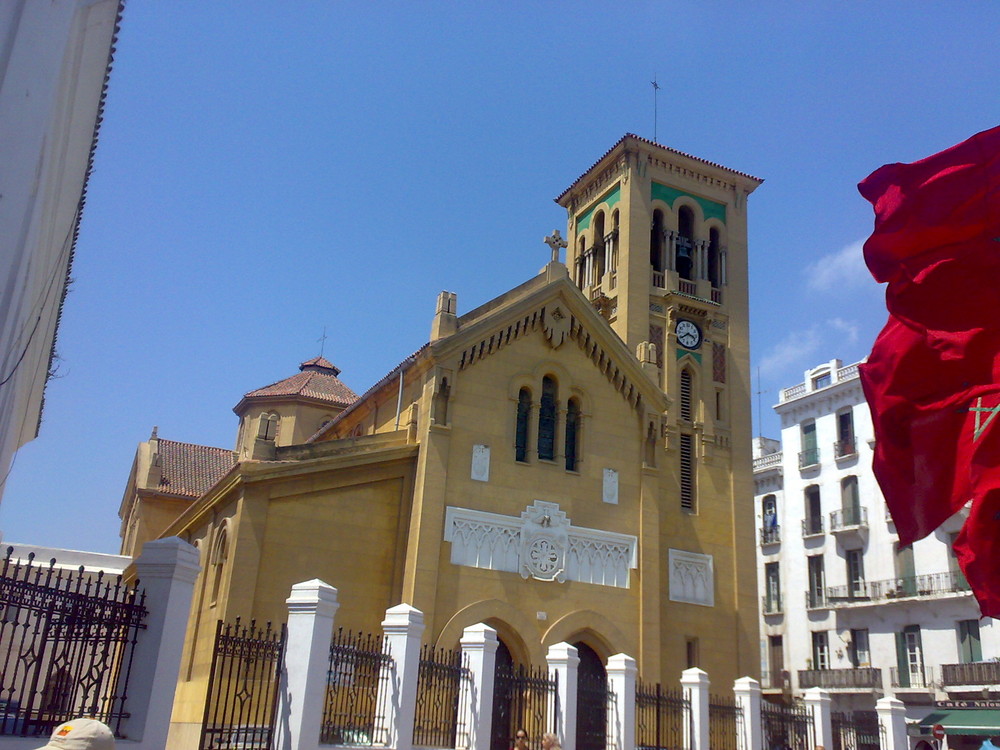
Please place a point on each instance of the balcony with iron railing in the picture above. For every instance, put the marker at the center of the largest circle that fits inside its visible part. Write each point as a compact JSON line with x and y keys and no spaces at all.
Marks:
{"x":846,"y":448}
{"x":812,"y":525}
{"x":984,"y":673}
{"x":770,"y":535}
{"x":809,"y":458}
{"x":915,"y":678}
{"x":848,"y":519}
{"x":816,"y":600}
{"x":668,"y":281}
{"x":894,"y":589}
{"x":854,"y":679}
{"x":770,"y":605}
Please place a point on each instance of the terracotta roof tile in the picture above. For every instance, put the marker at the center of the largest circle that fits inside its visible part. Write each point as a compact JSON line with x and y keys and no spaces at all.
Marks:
{"x":317,"y":379}
{"x":189,"y":469}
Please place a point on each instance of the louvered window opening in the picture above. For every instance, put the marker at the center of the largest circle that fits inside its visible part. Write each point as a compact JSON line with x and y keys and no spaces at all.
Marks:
{"x":686,"y":410}
{"x":687,"y":472}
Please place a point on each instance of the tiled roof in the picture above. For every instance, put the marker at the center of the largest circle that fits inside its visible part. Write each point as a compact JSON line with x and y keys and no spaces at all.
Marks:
{"x":317,"y":379}
{"x":658,"y":145}
{"x":189,"y":469}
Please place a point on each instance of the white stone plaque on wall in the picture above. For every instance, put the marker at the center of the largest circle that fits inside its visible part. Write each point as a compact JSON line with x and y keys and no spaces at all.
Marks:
{"x":692,"y":578}
{"x":481,"y":463}
{"x":611,"y":486}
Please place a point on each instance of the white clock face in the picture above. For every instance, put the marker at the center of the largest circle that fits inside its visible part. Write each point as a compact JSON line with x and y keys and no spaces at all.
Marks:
{"x":688,"y":334}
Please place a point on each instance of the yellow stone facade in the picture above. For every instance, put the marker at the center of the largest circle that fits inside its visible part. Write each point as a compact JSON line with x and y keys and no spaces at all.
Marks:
{"x":373,"y":503}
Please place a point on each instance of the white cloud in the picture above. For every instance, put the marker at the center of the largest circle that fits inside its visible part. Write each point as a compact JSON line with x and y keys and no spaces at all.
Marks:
{"x":839,"y":269}
{"x":796,"y":348}
{"x":849,"y":328}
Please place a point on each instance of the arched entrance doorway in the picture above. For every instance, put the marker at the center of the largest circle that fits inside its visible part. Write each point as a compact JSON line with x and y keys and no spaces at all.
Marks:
{"x":591,"y":700}
{"x":502,"y":731}
{"x":523,"y":698}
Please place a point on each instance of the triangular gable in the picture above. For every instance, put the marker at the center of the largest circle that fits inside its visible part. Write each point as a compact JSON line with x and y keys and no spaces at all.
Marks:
{"x":560,"y":313}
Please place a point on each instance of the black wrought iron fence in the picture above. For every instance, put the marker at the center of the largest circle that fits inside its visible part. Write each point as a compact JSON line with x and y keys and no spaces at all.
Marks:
{"x":662,"y":717}
{"x":356,"y":689}
{"x":241,"y":704}
{"x":859,"y":730}
{"x":440,"y":679}
{"x":593,"y":699}
{"x":725,"y":723}
{"x":67,"y":639}
{"x":788,"y":727}
{"x":523,"y":698}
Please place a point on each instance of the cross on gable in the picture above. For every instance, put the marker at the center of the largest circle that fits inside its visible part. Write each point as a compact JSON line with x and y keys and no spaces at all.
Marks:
{"x":555,"y":241}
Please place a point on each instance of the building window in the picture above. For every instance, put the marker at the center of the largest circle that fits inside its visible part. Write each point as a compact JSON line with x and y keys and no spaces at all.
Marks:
{"x":813,"y":522}
{"x":687,"y":395}
{"x":687,"y":473}
{"x":547,"y":420}
{"x":858,"y":650}
{"x":268,"y":427}
{"x":600,"y":248}
{"x":692,"y":652}
{"x":521,"y":430}
{"x":656,"y":250}
{"x":821,"y":380}
{"x":713,"y":258}
{"x":572,"y":434}
{"x":772,"y":588}
{"x":906,"y":572}
{"x":845,"y":434}
{"x":969,"y":647}
{"x":769,"y":530}
{"x":816,"y":595}
{"x":820,"y":650}
{"x":809,"y":456}
{"x":855,"y":573}
{"x":850,"y":501}
{"x":684,"y":255}
{"x":220,"y":553}
{"x":909,"y":658}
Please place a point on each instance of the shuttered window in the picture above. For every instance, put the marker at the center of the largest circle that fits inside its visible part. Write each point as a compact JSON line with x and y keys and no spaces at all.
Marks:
{"x":687,"y":472}
{"x":686,"y":396}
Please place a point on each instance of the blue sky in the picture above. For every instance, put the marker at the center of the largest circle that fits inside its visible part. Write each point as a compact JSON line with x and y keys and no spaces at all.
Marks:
{"x":266,"y":170}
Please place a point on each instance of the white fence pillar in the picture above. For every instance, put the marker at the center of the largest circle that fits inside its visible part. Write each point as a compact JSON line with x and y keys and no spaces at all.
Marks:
{"x":892,"y":721}
{"x":746,"y":690}
{"x":167,"y":570}
{"x":818,"y":700}
{"x":312,"y":607}
{"x":695,"y":684}
{"x":621,"y":671}
{"x":563,"y":662}
{"x":479,"y":647}
{"x":403,"y":626}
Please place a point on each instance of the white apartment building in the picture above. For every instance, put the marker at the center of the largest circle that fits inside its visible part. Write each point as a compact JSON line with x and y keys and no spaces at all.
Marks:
{"x":843,"y":606}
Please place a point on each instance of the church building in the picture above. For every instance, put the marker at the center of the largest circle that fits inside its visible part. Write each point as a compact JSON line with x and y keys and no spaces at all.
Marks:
{"x":569,"y":461}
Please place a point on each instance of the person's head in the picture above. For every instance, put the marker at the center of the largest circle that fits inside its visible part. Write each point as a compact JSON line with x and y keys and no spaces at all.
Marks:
{"x":549,"y":740}
{"x":81,"y":734}
{"x":520,"y":736}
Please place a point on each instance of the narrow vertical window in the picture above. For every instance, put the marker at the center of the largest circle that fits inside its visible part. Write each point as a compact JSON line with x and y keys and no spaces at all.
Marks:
{"x":969,"y":647}
{"x":821,"y":650}
{"x":572,"y":434}
{"x":656,"y":243}
{"x":713,"y":258}
{"x":850,"y":501}
{"x":684,"y":258}
{"x":687,"y":399}
{"x":809,"y":455}
{"x":441,"y":402}
{"x":219,"y":556}
{"x":547,"y":420}
{"x":268,"y":427}
{"x":600,"y":249}
{"x":687,"y":473}
{"x":521,"y":430}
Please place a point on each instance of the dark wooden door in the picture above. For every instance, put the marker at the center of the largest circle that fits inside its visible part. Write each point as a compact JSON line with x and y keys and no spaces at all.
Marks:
{"x":591,"y":700}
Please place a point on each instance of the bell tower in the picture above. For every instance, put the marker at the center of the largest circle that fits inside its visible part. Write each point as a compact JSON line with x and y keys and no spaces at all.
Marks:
{"x":657,"y":240}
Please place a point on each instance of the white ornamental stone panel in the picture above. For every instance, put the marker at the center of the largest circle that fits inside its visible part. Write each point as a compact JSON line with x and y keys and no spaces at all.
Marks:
{"x":611,"y":486}
{"x":540,"y":544}
{"x":692,"y":578}
{"x":481,"y":463}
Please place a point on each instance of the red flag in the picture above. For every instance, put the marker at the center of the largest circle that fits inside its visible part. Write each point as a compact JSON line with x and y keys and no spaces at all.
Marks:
{"x":931,"y":380}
